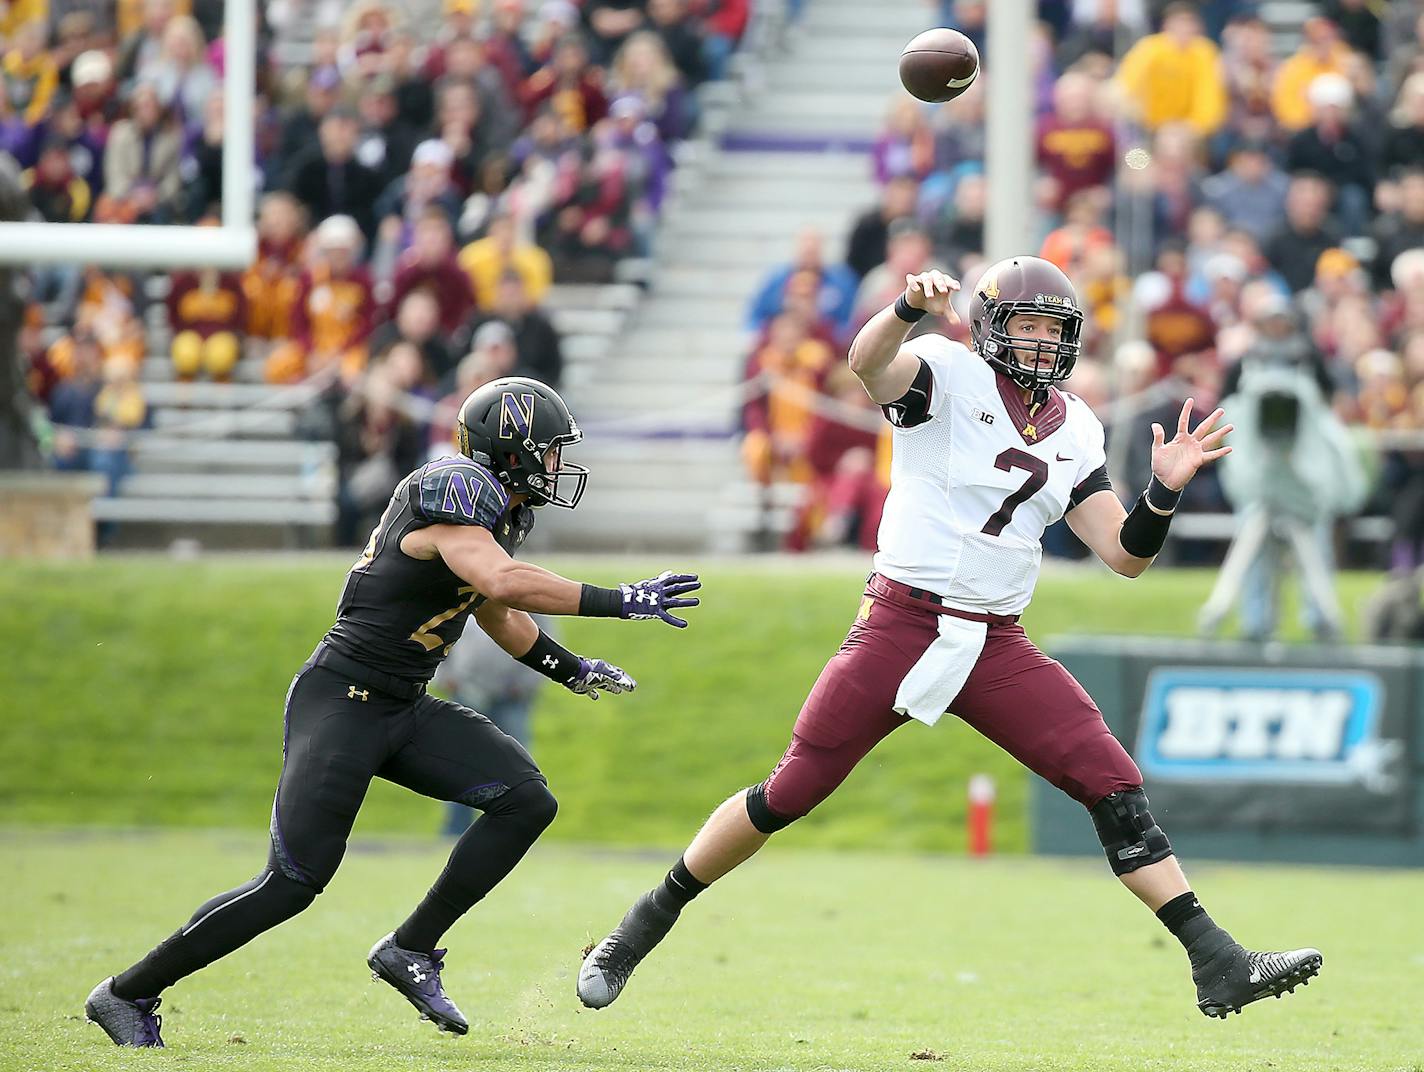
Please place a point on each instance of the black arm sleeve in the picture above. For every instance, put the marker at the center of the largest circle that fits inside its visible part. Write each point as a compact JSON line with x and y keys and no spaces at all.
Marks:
{"x":1091,"y":484}
{"x":595,"y":602}
{"x":1144,"y":531}
{"x":551,"y":659}
{"x":913,"y":407}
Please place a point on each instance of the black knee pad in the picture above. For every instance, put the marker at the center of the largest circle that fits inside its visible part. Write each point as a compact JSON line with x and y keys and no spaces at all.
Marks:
{"x":529,"y":803}
{"x":1130,"y":836}
{"x":762,"y":817}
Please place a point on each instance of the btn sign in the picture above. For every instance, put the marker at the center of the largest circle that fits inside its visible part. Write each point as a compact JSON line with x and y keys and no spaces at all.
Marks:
{"x":1231,"y":724}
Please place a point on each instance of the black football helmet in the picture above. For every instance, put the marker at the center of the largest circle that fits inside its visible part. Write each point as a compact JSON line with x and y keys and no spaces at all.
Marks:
{"x":509,"y":426}
{"x":1025,"y":285}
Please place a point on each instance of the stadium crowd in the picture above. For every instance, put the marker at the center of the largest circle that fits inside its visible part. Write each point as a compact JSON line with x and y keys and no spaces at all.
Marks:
{"x":424,"y":176}
{"x":423,"y":179}
{"x":1233,"y":208}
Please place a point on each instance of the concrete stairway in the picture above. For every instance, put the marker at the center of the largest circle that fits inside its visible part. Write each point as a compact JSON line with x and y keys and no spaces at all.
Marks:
{"x":788,"y":153}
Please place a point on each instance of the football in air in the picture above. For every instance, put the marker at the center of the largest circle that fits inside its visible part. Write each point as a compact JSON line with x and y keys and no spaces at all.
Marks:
{"x":939,"y":65}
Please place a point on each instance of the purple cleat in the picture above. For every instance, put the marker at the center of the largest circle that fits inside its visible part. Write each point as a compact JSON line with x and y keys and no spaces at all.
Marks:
{"x":417,"y":977}
{"x":128,"y":1023}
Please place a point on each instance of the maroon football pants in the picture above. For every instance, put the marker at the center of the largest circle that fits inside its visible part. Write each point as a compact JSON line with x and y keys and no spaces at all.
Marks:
{"x":1016,"y":696}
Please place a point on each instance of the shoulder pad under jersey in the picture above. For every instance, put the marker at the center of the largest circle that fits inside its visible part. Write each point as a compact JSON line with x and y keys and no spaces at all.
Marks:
{"x":457,"y":491}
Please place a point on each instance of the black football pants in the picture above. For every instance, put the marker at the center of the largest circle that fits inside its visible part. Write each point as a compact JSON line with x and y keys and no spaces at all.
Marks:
{"x":338,"y":736}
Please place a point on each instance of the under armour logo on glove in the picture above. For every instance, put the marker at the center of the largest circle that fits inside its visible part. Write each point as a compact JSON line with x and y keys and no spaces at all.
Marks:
{"x":595,"y":676}
{"x":653,"y":598}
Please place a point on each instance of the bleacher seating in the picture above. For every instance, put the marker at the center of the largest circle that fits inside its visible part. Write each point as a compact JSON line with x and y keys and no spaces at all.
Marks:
{"x":227,"y":453}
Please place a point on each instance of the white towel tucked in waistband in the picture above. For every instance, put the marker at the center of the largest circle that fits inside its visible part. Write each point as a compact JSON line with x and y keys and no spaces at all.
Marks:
{"x":935,"y":680}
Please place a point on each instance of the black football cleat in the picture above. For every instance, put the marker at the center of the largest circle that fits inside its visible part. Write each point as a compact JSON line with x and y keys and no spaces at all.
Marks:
{"x":416,"y":976}
{"x":608,"y":965}
{"x":1235,"y":977}
{"x":128,"y":1023}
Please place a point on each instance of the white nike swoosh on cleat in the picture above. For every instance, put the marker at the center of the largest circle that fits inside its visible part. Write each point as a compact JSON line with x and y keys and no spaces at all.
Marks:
{"x":1255,"y":976}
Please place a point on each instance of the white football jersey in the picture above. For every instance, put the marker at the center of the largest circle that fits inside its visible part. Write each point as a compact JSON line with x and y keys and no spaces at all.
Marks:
{"x":973,"y":488}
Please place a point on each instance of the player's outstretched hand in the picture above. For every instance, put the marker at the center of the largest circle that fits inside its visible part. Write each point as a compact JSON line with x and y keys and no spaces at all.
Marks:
{"x":1175,"y":462}
{"x":656,"y":596}
{"x":932,"y":291}
{"x":595,"y":676}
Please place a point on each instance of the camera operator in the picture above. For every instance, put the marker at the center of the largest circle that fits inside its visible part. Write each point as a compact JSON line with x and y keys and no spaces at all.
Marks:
{"x":1294,"y":470}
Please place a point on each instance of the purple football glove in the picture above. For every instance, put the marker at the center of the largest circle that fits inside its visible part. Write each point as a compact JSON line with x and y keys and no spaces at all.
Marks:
{"x":653,"y":598}
{"x":595,"y":675}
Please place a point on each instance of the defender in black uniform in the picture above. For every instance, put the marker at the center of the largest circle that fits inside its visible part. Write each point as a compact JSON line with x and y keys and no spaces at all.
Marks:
{"x":358,"y":708}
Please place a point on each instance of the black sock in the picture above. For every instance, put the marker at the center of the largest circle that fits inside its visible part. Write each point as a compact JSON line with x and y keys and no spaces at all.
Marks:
{"x":485,"y":853}
{"x":678,"y":888}
{"x":1184,"y":916}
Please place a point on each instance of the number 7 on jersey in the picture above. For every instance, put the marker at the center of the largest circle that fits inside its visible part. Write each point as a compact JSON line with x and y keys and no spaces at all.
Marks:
{"x":1008,"y":461}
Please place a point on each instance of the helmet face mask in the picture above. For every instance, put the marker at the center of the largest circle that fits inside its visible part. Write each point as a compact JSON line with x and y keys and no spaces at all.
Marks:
{"x":1018,"y":356}
{"x":518,"y":428}
{"x":1019,"y":286}
{"x":542,"y":484}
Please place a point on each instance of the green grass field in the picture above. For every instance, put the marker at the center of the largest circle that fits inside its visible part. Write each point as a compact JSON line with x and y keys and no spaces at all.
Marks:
{"x":146,"y":691}
{"x":143,"y":692}
{"x":802,"y":960}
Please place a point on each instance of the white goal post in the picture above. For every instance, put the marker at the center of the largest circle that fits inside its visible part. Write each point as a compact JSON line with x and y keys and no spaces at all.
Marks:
{"x":232,"y":245}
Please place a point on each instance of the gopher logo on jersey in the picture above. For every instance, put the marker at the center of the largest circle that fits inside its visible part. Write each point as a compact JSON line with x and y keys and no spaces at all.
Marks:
{"x":516,"y":415}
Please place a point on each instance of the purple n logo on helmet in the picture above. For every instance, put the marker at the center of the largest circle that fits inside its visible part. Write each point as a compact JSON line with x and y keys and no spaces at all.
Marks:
{"x":516,"y":415}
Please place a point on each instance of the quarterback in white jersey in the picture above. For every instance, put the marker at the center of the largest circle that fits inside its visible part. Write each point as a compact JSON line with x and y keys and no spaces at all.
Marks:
{"x":973,"y":487}
{"x":988,"y":452}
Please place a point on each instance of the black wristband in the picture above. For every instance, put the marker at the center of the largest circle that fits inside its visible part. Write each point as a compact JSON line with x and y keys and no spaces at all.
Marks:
{"x":907,"y":312}
{"x":1161,"y":497}
{"x":551,"y":659}
{"x":595,"y":602}
{"x":1144,"y":531}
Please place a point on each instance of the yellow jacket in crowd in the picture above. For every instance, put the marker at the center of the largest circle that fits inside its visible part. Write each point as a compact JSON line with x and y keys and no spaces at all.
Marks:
{"x":31,"y":79}
{"x":1169,"y":84}
{"x":128,"y":14}
{"x":484,"y":261}
{"x":1288,"y":95}
{"x":15,"y":13}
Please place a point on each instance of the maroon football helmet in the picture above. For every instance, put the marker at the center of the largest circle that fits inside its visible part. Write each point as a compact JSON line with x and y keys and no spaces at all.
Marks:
{"x":1025,"y":285}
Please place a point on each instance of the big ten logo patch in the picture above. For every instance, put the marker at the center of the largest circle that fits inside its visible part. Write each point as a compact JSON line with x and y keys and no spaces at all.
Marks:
{"x":980,"y":415}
